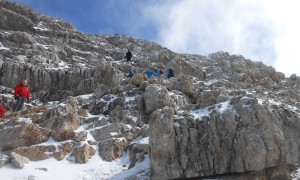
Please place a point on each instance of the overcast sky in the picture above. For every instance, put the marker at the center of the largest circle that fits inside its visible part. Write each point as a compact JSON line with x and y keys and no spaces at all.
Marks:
{"x":261,"y":30}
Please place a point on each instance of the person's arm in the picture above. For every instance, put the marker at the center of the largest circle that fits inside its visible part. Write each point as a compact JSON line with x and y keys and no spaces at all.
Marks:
{"x":28,"y":94}
{"x":16,"y":90}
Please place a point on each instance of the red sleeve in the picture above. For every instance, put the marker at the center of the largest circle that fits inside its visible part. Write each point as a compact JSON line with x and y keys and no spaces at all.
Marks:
{"x":28,"y":93}
{"x":2,"y":111}
{"x":17,"y":90}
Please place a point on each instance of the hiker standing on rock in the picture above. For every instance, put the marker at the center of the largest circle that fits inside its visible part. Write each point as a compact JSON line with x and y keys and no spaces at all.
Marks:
{"x":22,"y":93}
{"x":128,"y":56}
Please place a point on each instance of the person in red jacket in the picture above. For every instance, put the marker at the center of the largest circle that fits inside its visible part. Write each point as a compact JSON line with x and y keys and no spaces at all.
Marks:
{"x":22,"y":93}
{"x":2,"y":111}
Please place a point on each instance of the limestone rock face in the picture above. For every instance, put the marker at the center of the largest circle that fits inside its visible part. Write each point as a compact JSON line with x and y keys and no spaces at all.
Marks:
{"x":156,"y":97}
{"x":18,"y":161}
{"x":163,"y":147}
{"x":22,"y":136}
{"x":251,"y":137}
{"x":111,"y":149}
{"x":207,"y":98}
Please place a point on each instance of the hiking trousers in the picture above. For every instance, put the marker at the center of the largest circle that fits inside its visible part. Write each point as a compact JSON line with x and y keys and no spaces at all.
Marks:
{"x":19,"y":104}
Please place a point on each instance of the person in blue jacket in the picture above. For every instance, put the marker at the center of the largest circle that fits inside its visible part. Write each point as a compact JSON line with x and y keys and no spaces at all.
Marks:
{"x":130,"y":73}
{"x":150,"y":74}
{"x":159,"y":72}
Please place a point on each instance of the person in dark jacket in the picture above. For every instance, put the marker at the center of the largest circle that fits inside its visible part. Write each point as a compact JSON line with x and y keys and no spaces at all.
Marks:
{"x":22,"y":93}
{"x":128,"y":56}
{"x":170,"y":73}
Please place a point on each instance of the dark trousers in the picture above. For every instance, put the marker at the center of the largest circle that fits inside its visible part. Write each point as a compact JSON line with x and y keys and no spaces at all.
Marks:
{"x":19,"y":104}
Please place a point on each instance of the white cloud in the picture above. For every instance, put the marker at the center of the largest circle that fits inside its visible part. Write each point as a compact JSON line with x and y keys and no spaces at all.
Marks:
{"x":262,"y":30}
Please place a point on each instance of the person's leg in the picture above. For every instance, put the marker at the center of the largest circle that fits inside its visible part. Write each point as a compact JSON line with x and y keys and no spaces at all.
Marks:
{"x":16,"y":105}
{"x":21,"y":103}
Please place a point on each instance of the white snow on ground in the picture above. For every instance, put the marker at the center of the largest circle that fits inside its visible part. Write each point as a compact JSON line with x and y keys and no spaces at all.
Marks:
{"x":85,"y":96}
{"x":141,"y":140}
{"x":41,"y":27}
{"x":96,"y":168}
{"x":221,"y":107}
{"x":296,"y":175}
{"x":212,"y":81}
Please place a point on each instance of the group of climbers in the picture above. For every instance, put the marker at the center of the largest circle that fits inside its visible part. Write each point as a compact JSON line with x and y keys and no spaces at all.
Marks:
{"x":21,"y":94}
{"x":149,"y":73}
{"x":157,"y":72}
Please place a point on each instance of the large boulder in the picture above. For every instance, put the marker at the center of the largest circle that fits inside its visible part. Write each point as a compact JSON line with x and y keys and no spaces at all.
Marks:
{"x":110,"y":131}
{"x":185,"y":84}
{"x":69,"y":106}
{"x":25,"y":135}
{"x":156,"y":97}
{"x":36,"y":153}
{"x":60,"y":123}
{"x":138,"y":79}
{"x":18,"y":161}
{"x":83,"y":154}
{"x":112,"y":149}
{"x":207,"y":98}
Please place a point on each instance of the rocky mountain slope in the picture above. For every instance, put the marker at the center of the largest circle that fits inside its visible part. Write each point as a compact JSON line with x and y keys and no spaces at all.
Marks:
{"x":222,"y":116}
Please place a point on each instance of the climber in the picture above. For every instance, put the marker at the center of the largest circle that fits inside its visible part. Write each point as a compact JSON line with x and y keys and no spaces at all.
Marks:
{"x":22,"y":93}
{"x":2,"y":111}
{"x":130,"y":73}
{"x":128,"y":56}
{"x":150,"y":73}
{"x":159,"y":72}
{"x":170,"y":73}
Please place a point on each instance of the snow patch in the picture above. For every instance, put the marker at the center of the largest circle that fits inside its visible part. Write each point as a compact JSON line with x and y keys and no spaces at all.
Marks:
{"x":221,"y":107}
{"x":2,"y":47}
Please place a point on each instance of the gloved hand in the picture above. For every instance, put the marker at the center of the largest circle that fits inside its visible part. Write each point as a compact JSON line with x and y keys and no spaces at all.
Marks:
{"x":15,"y":97}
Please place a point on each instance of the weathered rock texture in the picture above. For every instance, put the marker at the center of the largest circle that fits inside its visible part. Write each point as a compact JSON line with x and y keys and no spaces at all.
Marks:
{"x":111,"y":149}
{"x":22,"y":136}
{"x":245,"y":138}
{"x":83,"y":154}
{"x":156,"y":97}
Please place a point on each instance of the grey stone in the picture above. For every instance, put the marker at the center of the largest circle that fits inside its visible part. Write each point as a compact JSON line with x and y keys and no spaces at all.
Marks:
{"x":156,"y":97}
{"x":18,"y":161}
